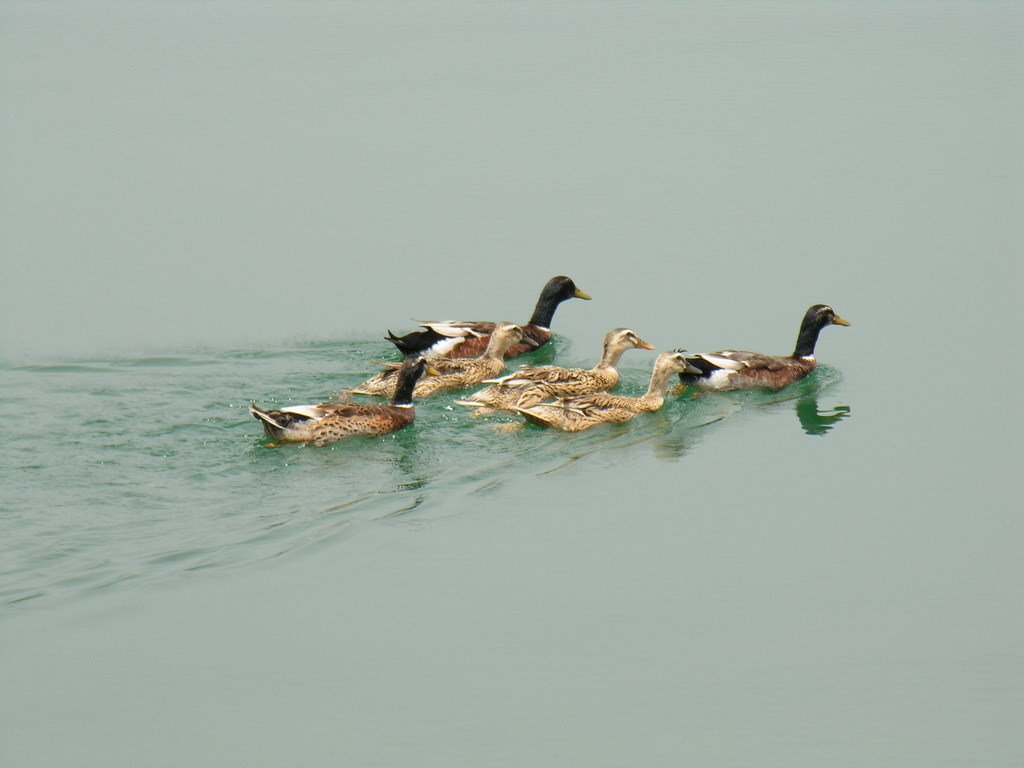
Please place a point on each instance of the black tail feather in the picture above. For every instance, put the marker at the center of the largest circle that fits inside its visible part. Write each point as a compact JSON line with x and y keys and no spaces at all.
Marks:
{"x":415,"y":342}
{"x":706,"y":369}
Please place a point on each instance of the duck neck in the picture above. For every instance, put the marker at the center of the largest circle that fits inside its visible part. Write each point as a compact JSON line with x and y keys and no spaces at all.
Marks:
{"x":659,"y":383}
{"x":610,"y":356}
{"x":807,"y":338}
{"x":496,"y":348}
{"x":544,"y":312}
{"x":654,"y":397}
{"x":403,"y":388}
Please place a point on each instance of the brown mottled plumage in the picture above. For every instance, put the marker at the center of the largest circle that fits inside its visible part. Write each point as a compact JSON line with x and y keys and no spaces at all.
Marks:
{"x":574,"y":414}
{"x":454,"y":374}
{"x":731,"y":369}
{"x":329,"y":422}
{"x":531,"y":383}
{"x":470,"y":339}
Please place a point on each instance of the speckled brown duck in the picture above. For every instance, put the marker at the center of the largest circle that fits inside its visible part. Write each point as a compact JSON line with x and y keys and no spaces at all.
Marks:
{"x":574,"y":414}
{"x":329,"y":422}
{"x":533,"y":383}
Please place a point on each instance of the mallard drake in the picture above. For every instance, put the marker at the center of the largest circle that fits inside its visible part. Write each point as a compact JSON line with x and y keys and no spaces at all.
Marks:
{"x":532,"y":383}
{"x":454,"y":374}
{"x":329,"y":422}
{"x":729,"y":369}
{"x":574,"y":414}
{"x":469,"y":339}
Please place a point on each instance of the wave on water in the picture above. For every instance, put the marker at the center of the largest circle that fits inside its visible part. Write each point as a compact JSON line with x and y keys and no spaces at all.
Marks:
{"x":124,"y":470}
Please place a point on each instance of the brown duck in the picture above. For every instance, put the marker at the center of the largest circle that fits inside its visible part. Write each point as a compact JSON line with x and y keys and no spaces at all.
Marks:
{"x":533,"y":383}
{"x":329,"y":422}
{"x":730,"y":369}
{"x":574,"y":414}
{"x":470,"y":338}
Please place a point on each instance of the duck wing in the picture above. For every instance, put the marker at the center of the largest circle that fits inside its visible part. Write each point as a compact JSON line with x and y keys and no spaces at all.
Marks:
{"x":531,"y":375}
{"x":736,"y":360}
{"x":455,"y":329}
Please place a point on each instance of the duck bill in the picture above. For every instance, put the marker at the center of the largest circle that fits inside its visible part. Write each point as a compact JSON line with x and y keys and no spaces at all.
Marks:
{"x":578,"y":294}
{"x":837,"y":320}
{"x":644,"y":345}
{"x":431,"y":371}
{"x":694,"y":370}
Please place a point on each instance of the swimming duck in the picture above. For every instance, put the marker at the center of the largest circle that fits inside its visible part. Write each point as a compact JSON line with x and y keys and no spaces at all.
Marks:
{"x":329,"y":422}
{"x":454,"y":374}
{"x":469,"y":339}
{"x":533,"y":383}
{"x":729,"y":369}
{"x":574,"y":414}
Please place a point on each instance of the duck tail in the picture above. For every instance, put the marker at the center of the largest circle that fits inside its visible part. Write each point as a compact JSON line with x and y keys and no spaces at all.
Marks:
{"x":271,"y":426}
{"x":534,"y":417}
{"x":704,"y":368}
{"x":415,"y":342}
{"x":398,"y":341}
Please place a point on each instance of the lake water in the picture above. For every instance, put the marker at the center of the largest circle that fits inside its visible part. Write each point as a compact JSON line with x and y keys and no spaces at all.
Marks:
{"x":202,"y":205}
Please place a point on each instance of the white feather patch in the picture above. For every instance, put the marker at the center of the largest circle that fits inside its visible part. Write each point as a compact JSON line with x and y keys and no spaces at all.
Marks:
{"x":718,"y":380}
{"x":309,"y":411}
{"x":442,"y":348}
{"x":722,"y":362}
{"x":501,"y":379}
{"x":451,"y":328}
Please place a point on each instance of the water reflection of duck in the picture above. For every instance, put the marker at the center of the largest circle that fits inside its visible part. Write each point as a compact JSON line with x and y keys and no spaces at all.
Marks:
{"x":731,"y":369}
{"x":815,"y":421}
{"x":469,"y":339}
{"x":329,"y":422}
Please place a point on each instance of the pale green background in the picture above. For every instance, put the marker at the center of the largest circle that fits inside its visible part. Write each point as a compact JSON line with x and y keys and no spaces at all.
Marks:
{"x":190,"y":178}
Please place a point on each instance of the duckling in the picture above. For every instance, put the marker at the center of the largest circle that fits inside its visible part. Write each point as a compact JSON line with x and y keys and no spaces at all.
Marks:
{"x":531,"y":384}
{"x":469,"y":339}
{"x":327,"y":423}
{"x":574,"y":414}
{"x":454,"y":374}
{"x":729,"y":369}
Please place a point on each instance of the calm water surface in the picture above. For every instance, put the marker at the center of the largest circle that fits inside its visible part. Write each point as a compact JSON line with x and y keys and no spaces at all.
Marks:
{"x":202,"y":205}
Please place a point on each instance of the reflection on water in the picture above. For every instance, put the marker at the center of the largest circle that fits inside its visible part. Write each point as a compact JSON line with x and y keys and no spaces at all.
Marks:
{"x":704,"y":409}
{"x":815,"y":421}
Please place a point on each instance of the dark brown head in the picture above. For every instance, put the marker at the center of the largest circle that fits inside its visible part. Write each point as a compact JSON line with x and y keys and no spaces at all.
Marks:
{"x":558,"y":289}
{"x":816,"y":318}
{"x":821,"y":315}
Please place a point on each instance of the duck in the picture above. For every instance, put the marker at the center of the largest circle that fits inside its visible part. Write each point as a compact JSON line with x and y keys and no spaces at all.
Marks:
{"x":574,"y":414}
{"x":730,"y":369}
{"x":469,"y":338}
{"x":327,"y":423}
{"x":533,"y":383}
{"x":453,"y":374}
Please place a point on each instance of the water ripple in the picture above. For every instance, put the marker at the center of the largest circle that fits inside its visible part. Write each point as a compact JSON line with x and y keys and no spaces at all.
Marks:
{"x":142,"y":469}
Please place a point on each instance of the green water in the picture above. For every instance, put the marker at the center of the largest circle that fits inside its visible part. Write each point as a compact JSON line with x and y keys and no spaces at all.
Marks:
{"x":162,"y":470}
{"x":205,"y":205}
